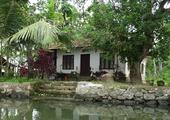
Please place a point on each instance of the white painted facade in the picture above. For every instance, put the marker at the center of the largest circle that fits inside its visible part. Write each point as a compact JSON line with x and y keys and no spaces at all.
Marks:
{"x":94,"y":62}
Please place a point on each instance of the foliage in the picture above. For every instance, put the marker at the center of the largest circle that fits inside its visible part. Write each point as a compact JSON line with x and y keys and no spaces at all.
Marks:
{"x":40,"y":32}
{"x":160,"y":74}
{"x":12,"y":16}
{"x":57,"y":12}
{"x":23,"y":71}
{"x":44,"y":65}
{"x":127,"y":32}
{"x":132,"y":30}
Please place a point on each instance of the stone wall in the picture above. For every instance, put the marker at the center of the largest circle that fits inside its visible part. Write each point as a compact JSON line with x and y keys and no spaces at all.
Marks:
{"x":87,"y":91}
{"x":15,"y":90}
{"x":128,"y":95}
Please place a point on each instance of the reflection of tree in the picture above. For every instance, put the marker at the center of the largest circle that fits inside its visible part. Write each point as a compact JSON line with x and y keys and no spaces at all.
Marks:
{"x":14,"y":110}
{"x":48,"y":110}
{"x":35,"y":114}
{"x":45,"y":112}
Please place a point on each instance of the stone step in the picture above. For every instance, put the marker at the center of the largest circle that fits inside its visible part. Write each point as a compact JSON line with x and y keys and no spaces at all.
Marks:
{"x":54,"y":98}
{"x":57,"y":87}
{"x":55,"y":95}
{"x":60,"y":89}
{"x":63,"y":83}
{"x":84,"y":78}
{"x":56,"y":92}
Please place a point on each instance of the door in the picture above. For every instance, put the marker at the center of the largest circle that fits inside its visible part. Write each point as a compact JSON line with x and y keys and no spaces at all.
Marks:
{"x":85,"y":65}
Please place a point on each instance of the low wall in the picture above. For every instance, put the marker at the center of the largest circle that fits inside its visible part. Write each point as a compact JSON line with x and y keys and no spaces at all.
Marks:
{"x":87,"y":91}
{"x":15,"y":90}
{"x":128,"y":95}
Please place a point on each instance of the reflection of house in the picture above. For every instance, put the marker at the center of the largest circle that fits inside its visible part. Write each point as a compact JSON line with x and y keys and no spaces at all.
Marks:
{"x":82,"y":113}
{"x":82,"y":59}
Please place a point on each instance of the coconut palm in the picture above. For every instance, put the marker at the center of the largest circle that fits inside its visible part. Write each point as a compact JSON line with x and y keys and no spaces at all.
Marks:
{"x":40,"y":33}
{"x":37,"y":34}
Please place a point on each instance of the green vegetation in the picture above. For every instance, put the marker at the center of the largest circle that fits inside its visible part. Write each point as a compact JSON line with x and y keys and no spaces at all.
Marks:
{"x":131,"y":29}
{"x":158,"y":70}
{"x":18,"y":80}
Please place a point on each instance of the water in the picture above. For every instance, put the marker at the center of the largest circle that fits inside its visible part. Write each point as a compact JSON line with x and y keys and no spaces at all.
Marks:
{"x":57,"y":110}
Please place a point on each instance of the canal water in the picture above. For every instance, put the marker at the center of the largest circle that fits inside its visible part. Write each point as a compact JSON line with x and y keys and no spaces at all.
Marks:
{"x":58,"y":110}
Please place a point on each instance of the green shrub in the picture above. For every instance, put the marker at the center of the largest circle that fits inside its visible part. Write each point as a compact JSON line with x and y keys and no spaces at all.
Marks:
{"x":16,"y":79}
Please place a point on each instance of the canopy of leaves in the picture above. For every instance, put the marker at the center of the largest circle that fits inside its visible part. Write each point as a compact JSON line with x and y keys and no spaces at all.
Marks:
{"x":12,"y":14}
{"x":132,"y":29}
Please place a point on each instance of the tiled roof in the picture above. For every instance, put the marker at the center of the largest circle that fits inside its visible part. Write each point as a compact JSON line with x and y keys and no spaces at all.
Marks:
{"x":82,"y":43}
{"x":57,"y":46}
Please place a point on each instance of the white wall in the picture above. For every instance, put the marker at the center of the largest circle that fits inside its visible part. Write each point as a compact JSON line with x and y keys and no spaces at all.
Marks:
{"x":94,"y":60}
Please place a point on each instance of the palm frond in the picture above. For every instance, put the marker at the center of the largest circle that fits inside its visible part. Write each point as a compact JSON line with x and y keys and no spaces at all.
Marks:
{"x":39,"y":32}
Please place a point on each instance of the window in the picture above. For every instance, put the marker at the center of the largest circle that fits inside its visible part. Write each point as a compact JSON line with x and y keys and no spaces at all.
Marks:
{"x":106,"y":63}
{"x":68,"y":62}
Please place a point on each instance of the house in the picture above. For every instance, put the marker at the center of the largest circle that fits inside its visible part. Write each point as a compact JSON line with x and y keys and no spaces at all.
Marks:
{"x":4,"y":63}
{"x":82,"y":59}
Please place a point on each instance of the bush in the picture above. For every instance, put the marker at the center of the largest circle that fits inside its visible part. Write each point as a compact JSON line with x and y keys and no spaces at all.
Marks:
{"x":119,"y":76}
{"x":160,"y":83}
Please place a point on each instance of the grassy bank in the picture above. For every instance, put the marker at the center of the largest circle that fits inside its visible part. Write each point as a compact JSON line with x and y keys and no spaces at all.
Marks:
{"x":18,"y":79}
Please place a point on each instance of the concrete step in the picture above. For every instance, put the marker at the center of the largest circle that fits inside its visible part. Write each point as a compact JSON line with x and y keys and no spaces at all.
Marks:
{"x":55,"y":95}
{"x":84,"y":78}
{"x":56,"y":98}
{"x":64,"y":83}
{"x":63,"y":89}
{"x":57,"y":87}
{"x":57,"y":92}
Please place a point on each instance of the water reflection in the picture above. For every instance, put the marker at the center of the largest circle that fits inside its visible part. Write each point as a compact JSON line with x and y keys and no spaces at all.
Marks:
{"x":54,"y":110}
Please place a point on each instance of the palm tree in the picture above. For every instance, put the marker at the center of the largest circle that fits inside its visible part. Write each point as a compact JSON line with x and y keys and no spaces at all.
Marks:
{"x":13,"y":16}
{"x":40,"y":33}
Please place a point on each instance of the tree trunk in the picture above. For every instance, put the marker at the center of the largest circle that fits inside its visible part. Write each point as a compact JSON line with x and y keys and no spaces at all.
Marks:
{"x":160,"y":65}
{"x":135,"y":74}
{"x":1,"y":66}
{"x":29,"y":61}
{"x":7,"y":65}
